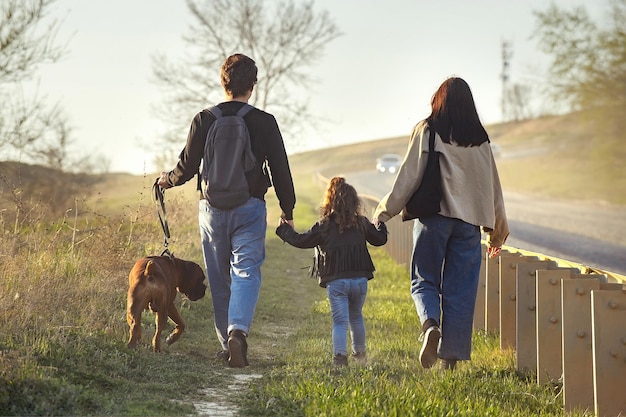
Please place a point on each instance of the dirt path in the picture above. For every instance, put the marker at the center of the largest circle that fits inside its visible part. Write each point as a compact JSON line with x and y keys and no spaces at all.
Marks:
{"x":215,"y":402}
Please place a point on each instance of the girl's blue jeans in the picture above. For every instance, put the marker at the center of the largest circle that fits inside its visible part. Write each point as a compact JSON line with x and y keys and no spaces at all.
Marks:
{"x":445,"y":268}
{"x":346,"y":297}
{"x":233,"y":243}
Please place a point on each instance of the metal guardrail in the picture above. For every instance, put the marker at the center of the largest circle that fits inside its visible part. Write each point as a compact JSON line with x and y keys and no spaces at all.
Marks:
{"x":565,"y":321}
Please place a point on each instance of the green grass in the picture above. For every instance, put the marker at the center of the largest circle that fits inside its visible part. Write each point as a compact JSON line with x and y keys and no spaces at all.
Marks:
{"x":64,"y":279}
{"x":393,"y":383}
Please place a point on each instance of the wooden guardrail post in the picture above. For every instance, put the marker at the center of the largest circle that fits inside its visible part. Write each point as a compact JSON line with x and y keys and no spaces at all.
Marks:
{"x":608,"y":315}
{"x":397,"y":247}
{"x":481,"y":298}
{"x":549,"y":323}
{"x":507,"y":297}
{"x":492,"y":307}
{"x":526,"y":334}
{"x":577,"y":343}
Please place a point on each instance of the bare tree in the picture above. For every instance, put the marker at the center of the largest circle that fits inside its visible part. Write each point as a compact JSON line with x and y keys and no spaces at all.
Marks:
{"x":22,"y":50}
{"x":518,"y":97}
{"x":31,"y":129}
{"x":285,"y":40}
{"x":22,"y":47}
{"x":506,"y":53}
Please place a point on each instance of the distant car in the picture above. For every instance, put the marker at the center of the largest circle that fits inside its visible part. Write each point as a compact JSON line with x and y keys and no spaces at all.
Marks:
{"x":389,"y":162}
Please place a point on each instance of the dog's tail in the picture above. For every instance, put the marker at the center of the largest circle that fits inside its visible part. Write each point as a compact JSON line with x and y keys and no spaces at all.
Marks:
{"x":149,"y":274}
{"x":149,"y":270}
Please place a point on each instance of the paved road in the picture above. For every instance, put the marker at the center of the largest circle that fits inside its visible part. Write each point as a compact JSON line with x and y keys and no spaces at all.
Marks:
{"x":590,"y":234}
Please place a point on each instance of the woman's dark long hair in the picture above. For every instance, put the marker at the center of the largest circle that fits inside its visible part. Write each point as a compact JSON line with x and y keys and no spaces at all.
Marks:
{"x":454,"y":116}
{"x":342,"y":201}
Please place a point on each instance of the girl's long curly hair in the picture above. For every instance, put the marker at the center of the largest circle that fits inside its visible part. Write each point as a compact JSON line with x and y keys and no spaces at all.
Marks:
{"x":342,"y":200}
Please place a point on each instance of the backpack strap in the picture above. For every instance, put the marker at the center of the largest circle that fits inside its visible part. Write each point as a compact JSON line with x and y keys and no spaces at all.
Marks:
{"x":216,"y":111}
{"x":431,"y":139}
{"x":244,"y":110}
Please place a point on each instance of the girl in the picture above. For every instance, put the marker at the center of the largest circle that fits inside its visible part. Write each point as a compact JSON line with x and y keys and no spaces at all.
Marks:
{"x":342,"y":262}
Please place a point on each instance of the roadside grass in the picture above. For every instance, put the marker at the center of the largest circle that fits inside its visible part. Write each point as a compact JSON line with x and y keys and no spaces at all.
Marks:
{"x":392,"y":383}
{"x":301,"y":381}
{"x":63,"y":340}
{"x":62,"y":312}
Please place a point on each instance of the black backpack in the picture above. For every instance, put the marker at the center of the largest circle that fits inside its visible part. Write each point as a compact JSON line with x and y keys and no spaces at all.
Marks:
{"x":227,"y":158}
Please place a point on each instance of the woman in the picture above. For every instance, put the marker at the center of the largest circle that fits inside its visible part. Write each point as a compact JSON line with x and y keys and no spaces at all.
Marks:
{"x":446,"y":258}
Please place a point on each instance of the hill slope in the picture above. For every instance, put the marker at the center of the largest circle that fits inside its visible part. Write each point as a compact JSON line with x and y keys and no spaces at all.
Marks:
{"x":556,"y":156}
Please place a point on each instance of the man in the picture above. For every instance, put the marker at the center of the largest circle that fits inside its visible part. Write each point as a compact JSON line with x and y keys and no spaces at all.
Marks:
{"x":233,"y":240}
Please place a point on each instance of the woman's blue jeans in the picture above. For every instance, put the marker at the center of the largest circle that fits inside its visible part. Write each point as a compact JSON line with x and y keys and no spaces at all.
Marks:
{"x":233,"y":243}
{"x":346,"y":297}
{"x":445,"y":268}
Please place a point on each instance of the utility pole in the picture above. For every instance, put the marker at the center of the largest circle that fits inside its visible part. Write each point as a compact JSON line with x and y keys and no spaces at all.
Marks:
{"x":507,"y":54}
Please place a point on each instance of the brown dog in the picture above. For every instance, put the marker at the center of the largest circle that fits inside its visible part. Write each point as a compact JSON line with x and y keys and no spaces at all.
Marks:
{"x":153,"y":283}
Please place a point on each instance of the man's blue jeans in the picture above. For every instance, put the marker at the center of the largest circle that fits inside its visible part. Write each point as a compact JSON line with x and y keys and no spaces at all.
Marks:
{"x":233,"y":243}
{"x":346,"y":297}
{"x":444,"y":279}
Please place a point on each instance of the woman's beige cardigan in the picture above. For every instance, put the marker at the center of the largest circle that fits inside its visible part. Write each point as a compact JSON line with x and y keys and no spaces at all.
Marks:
{"x":470,"y":183}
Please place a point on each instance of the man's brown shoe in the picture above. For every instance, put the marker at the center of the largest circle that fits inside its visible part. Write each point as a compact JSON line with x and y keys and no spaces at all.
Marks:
{"x":237,"y":349}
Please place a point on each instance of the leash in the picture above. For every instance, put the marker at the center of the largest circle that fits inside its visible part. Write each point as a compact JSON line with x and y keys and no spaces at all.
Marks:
{"x":158,"y":195}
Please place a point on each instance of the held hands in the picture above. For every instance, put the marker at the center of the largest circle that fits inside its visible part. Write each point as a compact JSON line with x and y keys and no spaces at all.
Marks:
{"x":289,"y":222}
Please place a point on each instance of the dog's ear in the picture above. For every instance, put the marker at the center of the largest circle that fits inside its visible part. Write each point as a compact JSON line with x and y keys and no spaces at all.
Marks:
{"x":193,"y":285}
{"x":194,"y":270}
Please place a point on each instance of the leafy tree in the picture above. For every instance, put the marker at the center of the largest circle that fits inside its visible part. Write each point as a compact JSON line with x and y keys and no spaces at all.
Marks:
{"x":588,"y":68}
{"x":284,"y":40}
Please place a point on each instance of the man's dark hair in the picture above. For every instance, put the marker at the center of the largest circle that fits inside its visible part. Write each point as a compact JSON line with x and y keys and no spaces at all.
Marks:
{"x":238,"y":74}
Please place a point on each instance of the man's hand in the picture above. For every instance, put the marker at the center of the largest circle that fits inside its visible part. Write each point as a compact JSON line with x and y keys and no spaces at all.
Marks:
{"x":162,"y":181}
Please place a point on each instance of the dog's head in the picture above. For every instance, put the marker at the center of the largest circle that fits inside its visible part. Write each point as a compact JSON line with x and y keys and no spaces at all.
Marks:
{"x":192,"y":284}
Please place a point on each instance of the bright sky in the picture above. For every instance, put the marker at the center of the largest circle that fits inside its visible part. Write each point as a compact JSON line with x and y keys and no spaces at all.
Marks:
{"x":375,"y":81}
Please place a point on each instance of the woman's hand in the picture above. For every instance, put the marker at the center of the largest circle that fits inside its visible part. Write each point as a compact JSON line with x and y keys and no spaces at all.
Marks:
{"x":494,"y":251}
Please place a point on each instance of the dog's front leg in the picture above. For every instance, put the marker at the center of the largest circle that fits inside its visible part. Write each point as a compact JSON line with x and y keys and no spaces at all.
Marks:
{"x":180,"y":325}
